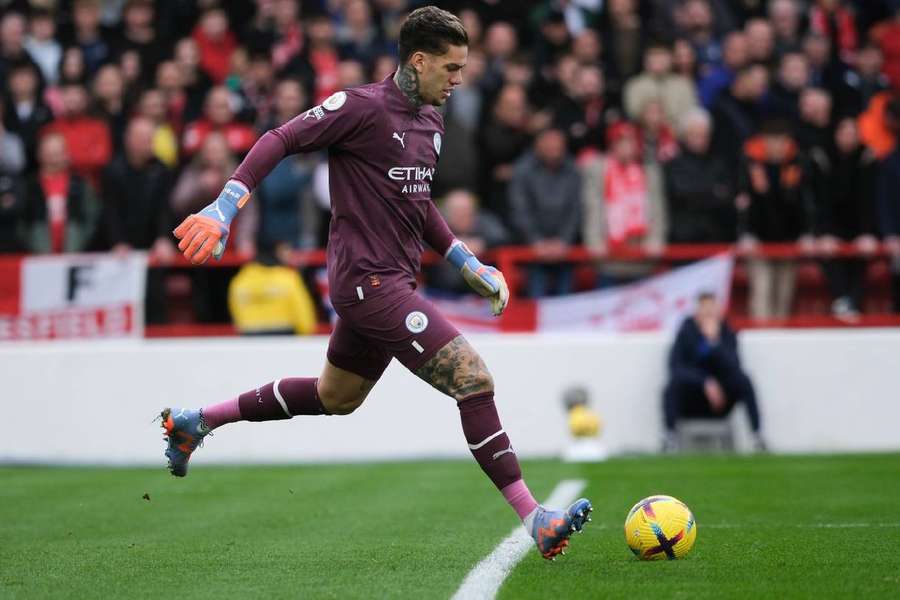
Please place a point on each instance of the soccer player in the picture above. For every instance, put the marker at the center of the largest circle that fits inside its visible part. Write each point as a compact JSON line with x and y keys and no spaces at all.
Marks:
{"x":383,"y":143}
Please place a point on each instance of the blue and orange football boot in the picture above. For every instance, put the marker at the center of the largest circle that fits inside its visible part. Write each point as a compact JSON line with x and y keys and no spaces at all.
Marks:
{"x":184,"y":432}
{"x":552,"y":528}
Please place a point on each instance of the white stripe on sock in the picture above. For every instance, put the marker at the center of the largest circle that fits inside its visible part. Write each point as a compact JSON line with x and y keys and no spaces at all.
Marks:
{"x":280,"y":399}
{"x":484,"y":441}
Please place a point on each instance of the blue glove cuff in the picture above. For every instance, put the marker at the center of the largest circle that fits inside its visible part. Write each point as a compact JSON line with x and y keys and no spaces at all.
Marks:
{"x":459,"y":255}
{"x":226,"y":206}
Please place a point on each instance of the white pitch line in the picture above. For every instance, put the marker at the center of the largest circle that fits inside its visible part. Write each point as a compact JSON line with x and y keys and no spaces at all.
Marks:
{"x":484,"y":581}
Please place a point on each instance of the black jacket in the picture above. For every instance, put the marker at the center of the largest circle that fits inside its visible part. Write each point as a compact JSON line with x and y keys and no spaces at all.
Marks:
{"x":136,"y":203}
{"x":693,"y":359}
{"x":842,"y":189}
{"x":700,"y":198}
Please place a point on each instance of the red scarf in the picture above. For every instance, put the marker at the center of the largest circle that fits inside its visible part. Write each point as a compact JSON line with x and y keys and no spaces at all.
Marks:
{"x":55,"y":187}
{"x":845,"y":36}
{"x":625,"y":195}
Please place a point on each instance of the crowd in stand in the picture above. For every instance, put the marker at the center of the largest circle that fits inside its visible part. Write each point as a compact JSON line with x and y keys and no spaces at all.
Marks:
{"x":612,"y":123}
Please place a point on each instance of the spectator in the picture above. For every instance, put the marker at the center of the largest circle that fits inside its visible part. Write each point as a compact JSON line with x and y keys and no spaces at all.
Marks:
{"x":734,"y":58}
{"x":684,"y":59}
{"x":785,"y":18}
{"x":623,"y":40}
{"x":139,"y":34}
{"x":553,"y":39}
{"x":202,"y":179}
{"x":26,"y":113}
{"x":760,"y":42}
{"x":842,"y":184}
{"x":87,"y":138}
{"x":503,"y":139}
{"x":320,"y":67}
{"x":825,"y":71}
{"x":888,"y":202}
{"x":287,"y":42}
{"x":862,"y":83}
{"x":460,"y":154}
{"x":12,"y":209}
{"x":623,"y":204}
{"x":288,"y":217}
{"x":500,"y":44}
{"x":88,"y":35}
{"x":218,"y":116}
{"x":706,"y":378}
{"x":215,"y":43}
{"x":814,"y":129}
{"x":657,"y":139}
{"x":136,"y":189}
{"x":351,"y":73}
{"x":12,"y":150}
{"x":695,"y":20}
{"x":109,"y":97}
{"x":545,"y":203}
{"x":152,"y":105}
{"x":676,"y":92}
{"x":887,"y":36}
{"x":267,"y":298}
{"x":61,"y":212}
{"x":773,"y":209}
{"x":12,"y":44}
{"x":737,"y":113}
{"x":192,"y":79}
{"x":835,"y":21}
{"x":580,"y":110}
{"x":72,"y":69}
{"x":42,"y":45}
{"x":478,"y":229}
{"x":358,"y":38}
{"x":793,"y":77}
{"x":699,"y":189}
{"x":257,"y":88}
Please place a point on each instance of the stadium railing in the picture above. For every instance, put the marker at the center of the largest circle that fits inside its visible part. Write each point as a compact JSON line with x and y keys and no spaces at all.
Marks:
{"x":811,"y":306}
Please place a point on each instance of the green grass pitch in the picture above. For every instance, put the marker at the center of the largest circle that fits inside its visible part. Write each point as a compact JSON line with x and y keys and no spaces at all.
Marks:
{"x":769,"y":527}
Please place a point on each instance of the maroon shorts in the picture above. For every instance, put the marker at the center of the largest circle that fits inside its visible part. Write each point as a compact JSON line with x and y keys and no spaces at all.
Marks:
{"x":392,"y":323}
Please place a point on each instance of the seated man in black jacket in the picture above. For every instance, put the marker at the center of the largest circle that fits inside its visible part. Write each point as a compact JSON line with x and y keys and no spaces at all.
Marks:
{"x":705,"y":375}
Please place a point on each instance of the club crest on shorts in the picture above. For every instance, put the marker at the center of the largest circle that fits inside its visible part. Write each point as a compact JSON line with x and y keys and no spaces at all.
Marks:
{"x":416,"y":321}
{"x":437,"y":142}
{"x":335,"y":101}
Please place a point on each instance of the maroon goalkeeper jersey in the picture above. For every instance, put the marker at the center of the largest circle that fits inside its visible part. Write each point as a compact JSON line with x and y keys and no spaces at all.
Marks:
{"x":382,"y":155}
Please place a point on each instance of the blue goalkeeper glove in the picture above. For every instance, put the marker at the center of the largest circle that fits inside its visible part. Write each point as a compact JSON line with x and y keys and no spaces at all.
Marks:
{"x":205,"y":234}
{"x":484,"y":279}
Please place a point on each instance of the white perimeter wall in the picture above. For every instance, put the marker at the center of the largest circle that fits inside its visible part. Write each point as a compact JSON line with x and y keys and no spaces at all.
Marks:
{"x":820,"y":391}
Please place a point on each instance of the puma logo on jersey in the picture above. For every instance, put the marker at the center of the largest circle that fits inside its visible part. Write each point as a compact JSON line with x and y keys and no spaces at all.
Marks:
{"x":399,"y":138}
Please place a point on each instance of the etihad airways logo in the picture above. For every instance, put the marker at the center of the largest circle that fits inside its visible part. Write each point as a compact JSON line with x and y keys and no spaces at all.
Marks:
{"x":411,"y":173}
{"x":421,"y":175}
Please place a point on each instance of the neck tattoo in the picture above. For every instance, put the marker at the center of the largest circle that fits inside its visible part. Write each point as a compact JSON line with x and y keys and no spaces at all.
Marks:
{"x":407,"y":79}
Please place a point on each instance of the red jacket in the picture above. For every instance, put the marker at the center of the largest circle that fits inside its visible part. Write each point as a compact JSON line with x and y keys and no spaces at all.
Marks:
{"x":215,"y":55}
{"x":240,"y":136}
{"x":89,"y":144}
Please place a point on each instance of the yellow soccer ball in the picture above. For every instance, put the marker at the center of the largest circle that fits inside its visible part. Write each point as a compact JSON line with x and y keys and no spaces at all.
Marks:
{"x":660,"y":527}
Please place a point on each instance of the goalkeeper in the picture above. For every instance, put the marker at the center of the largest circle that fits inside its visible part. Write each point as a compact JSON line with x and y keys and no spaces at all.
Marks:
{"x":383,"y":143}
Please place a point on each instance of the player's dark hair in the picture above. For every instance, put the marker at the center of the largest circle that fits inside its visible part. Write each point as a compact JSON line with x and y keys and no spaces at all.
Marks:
{"x":432,"y":30}
{"x":705,"y":295}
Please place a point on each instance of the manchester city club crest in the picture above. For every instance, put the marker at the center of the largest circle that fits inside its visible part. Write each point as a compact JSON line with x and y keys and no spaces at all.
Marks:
{"x":437,"y":143}
{"x":416,"y":321}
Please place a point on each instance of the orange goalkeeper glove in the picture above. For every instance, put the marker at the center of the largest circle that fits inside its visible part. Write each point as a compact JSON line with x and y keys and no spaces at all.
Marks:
{"x":205,"y":234}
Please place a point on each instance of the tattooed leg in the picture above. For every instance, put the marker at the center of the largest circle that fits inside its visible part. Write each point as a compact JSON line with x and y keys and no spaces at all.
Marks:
{"x":457,"y":370}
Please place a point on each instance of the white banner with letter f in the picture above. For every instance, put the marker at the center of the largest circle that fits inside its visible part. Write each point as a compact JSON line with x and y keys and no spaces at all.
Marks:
{"x":73,"y":296}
